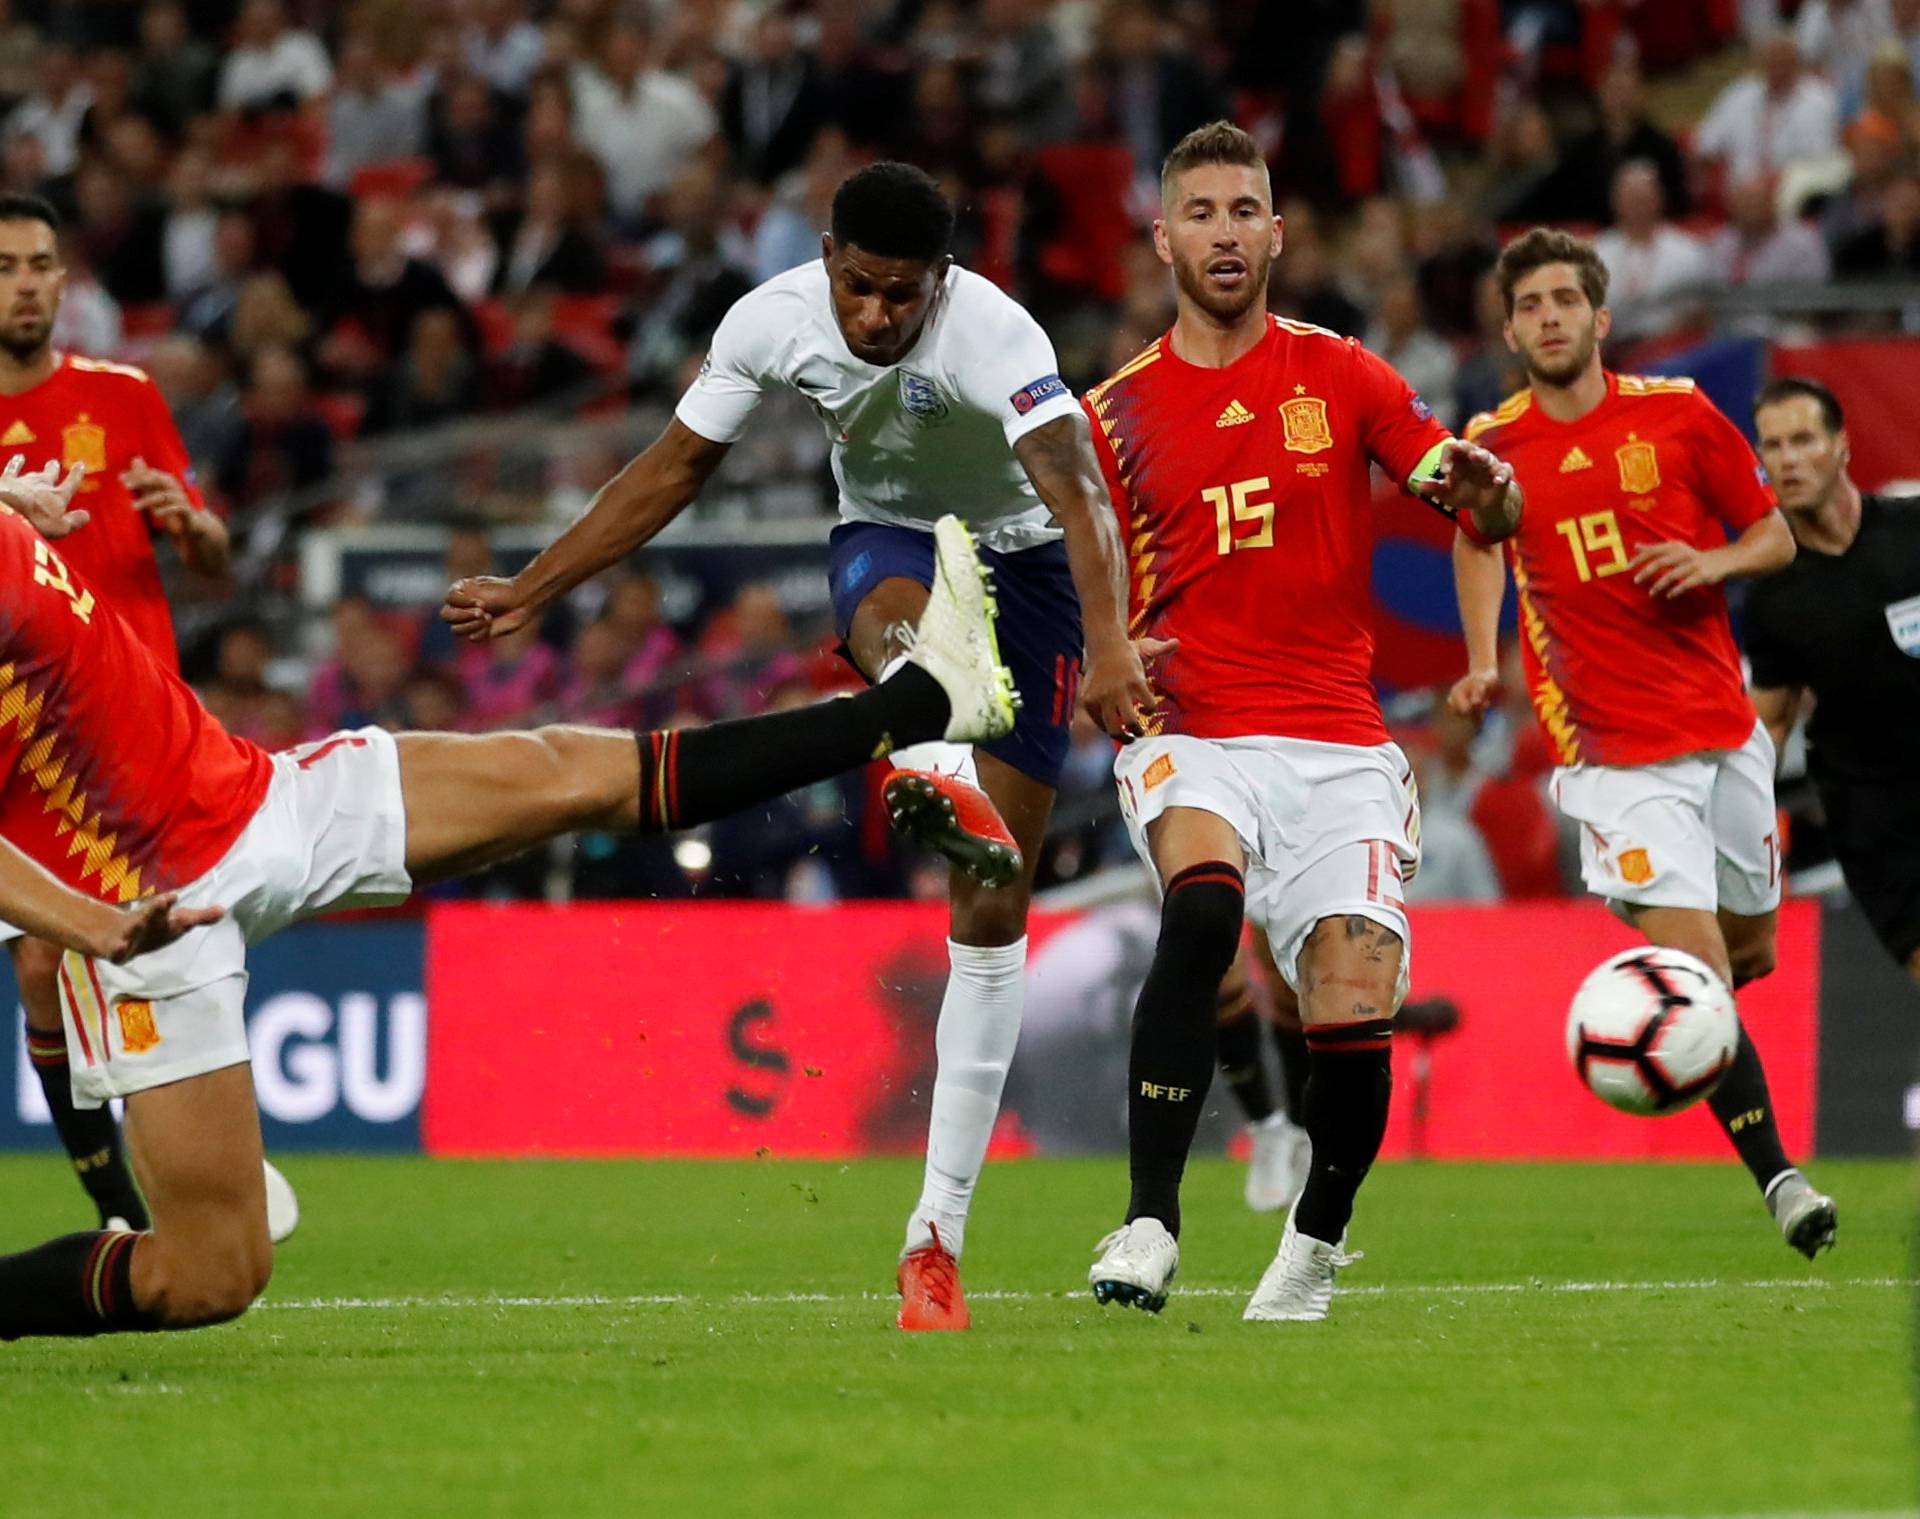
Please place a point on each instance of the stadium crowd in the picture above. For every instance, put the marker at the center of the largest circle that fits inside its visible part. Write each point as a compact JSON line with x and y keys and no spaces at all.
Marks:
{"x":324,"y":224}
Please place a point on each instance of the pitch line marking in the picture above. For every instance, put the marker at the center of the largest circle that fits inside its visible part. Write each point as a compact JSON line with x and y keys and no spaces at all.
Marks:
{"x":1412,"y":1289}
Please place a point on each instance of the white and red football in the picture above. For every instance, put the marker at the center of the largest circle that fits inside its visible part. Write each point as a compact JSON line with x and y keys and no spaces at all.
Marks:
{"x":1652,"y":1030}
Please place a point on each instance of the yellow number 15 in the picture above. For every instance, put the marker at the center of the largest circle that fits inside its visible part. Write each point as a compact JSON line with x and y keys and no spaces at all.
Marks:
{"x":1236,"y":503}
{"x":1591,"y":537}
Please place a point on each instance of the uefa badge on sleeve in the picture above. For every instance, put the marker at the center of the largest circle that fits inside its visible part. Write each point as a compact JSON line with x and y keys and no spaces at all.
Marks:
{"x":1903,"y":621}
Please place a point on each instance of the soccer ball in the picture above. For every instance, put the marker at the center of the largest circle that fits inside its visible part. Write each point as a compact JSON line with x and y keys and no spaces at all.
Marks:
{"x":1652,"y":1030}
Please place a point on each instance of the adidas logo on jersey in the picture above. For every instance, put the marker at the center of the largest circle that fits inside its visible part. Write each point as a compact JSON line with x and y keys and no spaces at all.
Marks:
{"x":17,"y":436}
{"x":1234,"y":415}
{"x":1576,"y":459}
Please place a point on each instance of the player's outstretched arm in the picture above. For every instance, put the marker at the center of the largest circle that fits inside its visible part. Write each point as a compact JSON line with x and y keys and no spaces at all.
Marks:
{"x":1468,"y":481}
{"x":629,"y":510}
{"x":1060,"y":461}
{"x":1480,"y":583}
{"x":33,"y":900}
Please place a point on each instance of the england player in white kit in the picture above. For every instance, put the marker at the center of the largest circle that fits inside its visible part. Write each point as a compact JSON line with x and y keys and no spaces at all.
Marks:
{"x":940,"y":395}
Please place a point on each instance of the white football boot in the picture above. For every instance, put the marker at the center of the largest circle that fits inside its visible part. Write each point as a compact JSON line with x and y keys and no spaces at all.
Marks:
{"x":1137,"y":1263}
{"x":1299,"y":1284}
{"x":955,"y":641}
{"x":1277,"y":1169}
{"x":1808,"y":1219}
{"x":283,"y":1208}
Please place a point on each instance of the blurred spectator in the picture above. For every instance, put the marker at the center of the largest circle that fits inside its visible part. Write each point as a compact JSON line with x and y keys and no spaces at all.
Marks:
{"x":788,"y":232}
{"x":364,"y":679}
{"x":1304,"y":288}
{"x":301,"y":226}
{"x":1758,"y":248}
{"x":1888,"y":111}
{"x":470,"y":140}
{"x":202,"y":397}
{"x":373,"y":117}
{"x":594,"y":690}
{"x":511,"y":680}
{"x":1020,"y":73}
{"x":435,"y":702}
{"x":266,"y":315}
{"x":207,"y":309}
{"x":1452,"y":252}
{"x":237,"y":691}
{"x":1766,"y":121}
{"x":1528,"y":182}
{"x":1837,"y":37}
{"x":703,"y":263}
{"x":534,"y":367}
{"x":451,"y":235}
{"x":122,"y":237}
{"x":865,"y":90}
{"x":187,"y":241}
{"x":435,"y":381}
{"x":1875,"y":163}
{"x":939,"y":133}
{"x":1624,"y":133}
{"x":174,"y":75}
{"x":1890,"y":247}
{"x":89,"y":320}
{"x":23,"y":166}
{"x":1159,"y":92}
{"x":1423,"y":45}
{"x":1491,"y":371}
{"x":641,"y":123}
{"x":1400,"y":335}
{"x":1651,"y":261}
{"x":54,"y":113}
{"x":386,"y":290}
{"x":282,"y":442}
{"x":750,"y":642}
{"x":1454,"y":863}
{"x":772,"y":104}
{"x":551,"y":242}
{"x":503,"y":46}
{"x":272,"y":65}
{"x":19,"y":57}
{"x":633,"y":612}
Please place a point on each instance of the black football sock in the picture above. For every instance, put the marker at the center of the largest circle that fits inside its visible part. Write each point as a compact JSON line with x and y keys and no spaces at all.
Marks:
{"x":1173,"y":1033}
{"x":1745,"y":1110}
{"x":91,"y":1136}
{"x":77,"y":1285}
{"x":1238,"y":1045}
{"x":1294,"y":1062}
{"x":1349,"y":1087}
{"x":690,"y":776}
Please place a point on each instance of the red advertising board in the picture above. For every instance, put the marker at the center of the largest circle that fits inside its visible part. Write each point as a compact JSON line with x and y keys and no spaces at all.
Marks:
{"x":728,"y":1029}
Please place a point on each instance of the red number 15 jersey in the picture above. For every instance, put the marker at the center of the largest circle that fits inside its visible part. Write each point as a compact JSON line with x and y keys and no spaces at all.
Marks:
{"x":1246,"y":506}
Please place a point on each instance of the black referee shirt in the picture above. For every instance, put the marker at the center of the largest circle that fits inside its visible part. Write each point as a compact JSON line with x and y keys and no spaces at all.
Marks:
{"x":1848,"y":626}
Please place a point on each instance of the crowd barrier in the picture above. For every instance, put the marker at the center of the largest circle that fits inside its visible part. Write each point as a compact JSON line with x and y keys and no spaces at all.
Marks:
{"x":742,"y":1029}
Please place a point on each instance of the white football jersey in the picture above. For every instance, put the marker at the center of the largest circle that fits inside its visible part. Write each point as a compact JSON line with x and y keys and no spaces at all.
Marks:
{"x":912,"y":441}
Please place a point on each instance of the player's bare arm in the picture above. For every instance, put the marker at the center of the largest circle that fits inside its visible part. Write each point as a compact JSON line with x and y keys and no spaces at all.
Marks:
{"x":44,"y":496}
{"x":1674,"y":568}
{"x":1776,"y":707}
{"x":1059,"y":460}
{"x":1469,"y":481}
{"x":199,"y":534}
{"x":33,"y":899}
{"x":1480,"y":584}
{"x":628,"y":511}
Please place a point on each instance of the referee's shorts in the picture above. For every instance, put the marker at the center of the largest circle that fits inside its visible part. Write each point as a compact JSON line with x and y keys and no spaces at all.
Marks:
{"x":1875,"y":833}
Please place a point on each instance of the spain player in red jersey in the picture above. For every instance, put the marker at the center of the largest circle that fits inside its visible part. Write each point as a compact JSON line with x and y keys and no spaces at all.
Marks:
{"x":116,"y":781}
{"x":138,"y":487}
{"x":1237,"y":450}
{"x":1629,"y":656}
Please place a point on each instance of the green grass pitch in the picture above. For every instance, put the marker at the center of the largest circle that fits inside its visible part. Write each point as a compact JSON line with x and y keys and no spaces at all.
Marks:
{"x":584,"y":1339}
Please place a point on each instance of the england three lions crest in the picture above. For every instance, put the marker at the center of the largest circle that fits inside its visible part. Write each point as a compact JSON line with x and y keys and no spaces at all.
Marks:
{"x":919,"y":398}
{"x":1305,"y":421}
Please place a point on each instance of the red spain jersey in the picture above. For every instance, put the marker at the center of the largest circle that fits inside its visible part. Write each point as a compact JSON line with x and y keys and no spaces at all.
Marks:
{"x":1617,"y":676}
{"x":1246,"y":506}
{"x":112,"y":775}
{"x":105,"y":416}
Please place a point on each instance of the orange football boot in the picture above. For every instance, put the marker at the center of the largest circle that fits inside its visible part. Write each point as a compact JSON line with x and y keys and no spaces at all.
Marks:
{"x":952,"y":818}
{"x":929,"y":1282}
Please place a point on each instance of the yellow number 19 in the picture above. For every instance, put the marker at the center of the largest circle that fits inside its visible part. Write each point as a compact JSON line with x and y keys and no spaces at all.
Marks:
{"x":1590,"y":537}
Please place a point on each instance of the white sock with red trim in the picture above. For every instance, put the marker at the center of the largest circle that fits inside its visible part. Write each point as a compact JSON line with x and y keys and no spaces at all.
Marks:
{"x":979,"y":1027}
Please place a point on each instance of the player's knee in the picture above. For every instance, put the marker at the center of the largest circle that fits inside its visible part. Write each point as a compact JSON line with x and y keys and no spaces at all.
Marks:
{"x":1200,"y":922}
{"x":36,"y":966}
{"x":580,"y":781}
{"x":1349,"y":971}
{"x":1235,"y":996}
{"x":1752,"y":960}
{"x":216,"y":1283}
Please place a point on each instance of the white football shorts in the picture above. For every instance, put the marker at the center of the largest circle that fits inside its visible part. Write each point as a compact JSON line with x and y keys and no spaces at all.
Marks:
{"x":1700,"y":831}
{"x":1329,"y":830}
{"x":331,"y":833}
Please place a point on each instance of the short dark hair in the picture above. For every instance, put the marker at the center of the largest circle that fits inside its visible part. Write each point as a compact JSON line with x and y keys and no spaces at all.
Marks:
{"x":1790,"y":385}
{"x":28,"y":208}
{"x":1218,"y":142}
{"x":1542,"y":246}
{"x":893,"y":210}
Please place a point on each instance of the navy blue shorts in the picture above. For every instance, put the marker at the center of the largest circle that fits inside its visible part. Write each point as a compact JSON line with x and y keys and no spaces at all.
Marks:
{"x":1039,"y":627}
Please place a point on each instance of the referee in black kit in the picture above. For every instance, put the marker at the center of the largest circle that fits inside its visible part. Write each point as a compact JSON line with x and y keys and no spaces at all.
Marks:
{"x":1843,"y":621}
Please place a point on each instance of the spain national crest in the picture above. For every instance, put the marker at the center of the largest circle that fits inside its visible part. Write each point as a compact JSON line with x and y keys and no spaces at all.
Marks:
{"x":138,"y":1032}
{"x":84,"y":442}
{"x":1305,"y":421}
{"x":1639,"y":467}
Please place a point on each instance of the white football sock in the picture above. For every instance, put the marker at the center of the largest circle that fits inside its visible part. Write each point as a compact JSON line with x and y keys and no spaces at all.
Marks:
{"x":936,"y":754}
{"x":979,"y":1026}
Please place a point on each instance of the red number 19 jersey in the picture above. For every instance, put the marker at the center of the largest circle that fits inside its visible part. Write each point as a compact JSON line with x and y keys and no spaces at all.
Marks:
{"x":1617,"y":676}
{"x":1246,"y":506}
